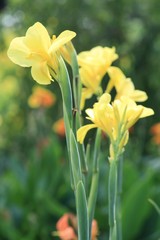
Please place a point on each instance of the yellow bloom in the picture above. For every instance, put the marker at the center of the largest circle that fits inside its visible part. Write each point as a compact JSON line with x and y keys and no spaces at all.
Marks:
{"x":124,"y":86}
{"x":100,"y":57}
{"x":37,"y":50}
{"x":91,"y":80}
{"x":93,"y":66}
{"x":115,"y":119}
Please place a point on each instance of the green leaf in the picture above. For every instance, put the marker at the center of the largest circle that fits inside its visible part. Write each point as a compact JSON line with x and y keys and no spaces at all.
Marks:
{"x":155,"y":205}
{"x":64,"y":82}
{"x":82,"y":213}
{"x":67,"y":130}
{"x":77,"y":85}
{"x":136,"y":207}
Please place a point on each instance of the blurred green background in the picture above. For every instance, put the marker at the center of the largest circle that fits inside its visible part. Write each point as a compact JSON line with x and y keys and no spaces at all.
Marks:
{"x":34,"y":175}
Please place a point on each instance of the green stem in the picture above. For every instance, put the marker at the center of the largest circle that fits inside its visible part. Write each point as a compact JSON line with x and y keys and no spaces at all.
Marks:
{"x":81,"y":148}
{"x":92,"y":198}
{"x":82,"y":213}
{"x":119,"y":192}
{"x":112,"y":200}
{"x":95,"y":179}
{"x":77,"y":86}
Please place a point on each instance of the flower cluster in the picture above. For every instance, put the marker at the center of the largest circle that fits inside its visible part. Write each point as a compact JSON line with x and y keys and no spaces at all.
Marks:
{"x":46,"y":56}
{"x":113,"y":117}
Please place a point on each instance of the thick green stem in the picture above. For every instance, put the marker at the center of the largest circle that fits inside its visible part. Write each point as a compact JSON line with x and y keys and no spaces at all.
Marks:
{"x":112,"y":200}
{"x":74,"y":154}
{"x":77,"y":86}
{"x":95,"y":179}
{"x":92,"y":198}
{"x":119,"y":192}
{"x":115,"y":191}
{"x":82,"y":213}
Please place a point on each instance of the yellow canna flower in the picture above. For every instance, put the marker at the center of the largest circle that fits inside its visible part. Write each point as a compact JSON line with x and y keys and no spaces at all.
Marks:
{"x":91,"y":80}
{"x":114,"y":119}
{"x":93,"y":66}
{"x":37,"y":50}
{"x":124,"y":86}
{"x":100,"y":57}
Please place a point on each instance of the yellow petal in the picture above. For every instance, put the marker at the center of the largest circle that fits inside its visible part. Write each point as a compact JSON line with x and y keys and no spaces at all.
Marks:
{"x":81,"y":133}
{"x":139,"y":96}
{"x":98,"y":56}
{"x":90,"y":113}
{"x":37,"y":38}
{"x":40,"y":73}
{"x":146,"y":112}
{"x":19,"y":53}
{"x":117,"y":78}
{"x":105,"y":99}
{"x":62,"y":39}
{"x":86,"y":94}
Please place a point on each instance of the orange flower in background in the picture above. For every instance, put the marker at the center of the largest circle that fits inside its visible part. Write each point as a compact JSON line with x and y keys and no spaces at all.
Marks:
{"x":67,"y":228}
{"x":155,"y":131}
{"x":94,"y":231}
{"x":59,"y":128}
{"x":41,"y":97}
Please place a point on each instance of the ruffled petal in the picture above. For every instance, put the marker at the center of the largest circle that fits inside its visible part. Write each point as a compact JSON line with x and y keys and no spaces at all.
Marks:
{"x":40,"y":73}
{"x":139,"y":96}
{"x":19,"y":53}
{"x":81,"y":133}
{"x":146,"y":112}
{"x":37,"y":38}
{"x":62,"y":39}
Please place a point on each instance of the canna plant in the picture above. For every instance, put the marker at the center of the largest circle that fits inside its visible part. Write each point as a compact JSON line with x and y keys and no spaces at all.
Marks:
{"x":47,"y":58}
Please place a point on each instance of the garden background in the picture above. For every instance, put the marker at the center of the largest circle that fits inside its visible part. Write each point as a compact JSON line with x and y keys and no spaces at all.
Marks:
{"x":34,"y":175}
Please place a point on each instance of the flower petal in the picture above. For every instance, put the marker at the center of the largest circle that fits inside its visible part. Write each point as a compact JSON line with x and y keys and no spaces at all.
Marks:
{"x":86,"y":94}
{"x":81,"y":133}
{"x":146,"y":112}
{"x":62,"y":39}
{"x":40,"y":73}
{"x":19,"y":53}
{"x":37,"y":38}
{"x":139,"y":96}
